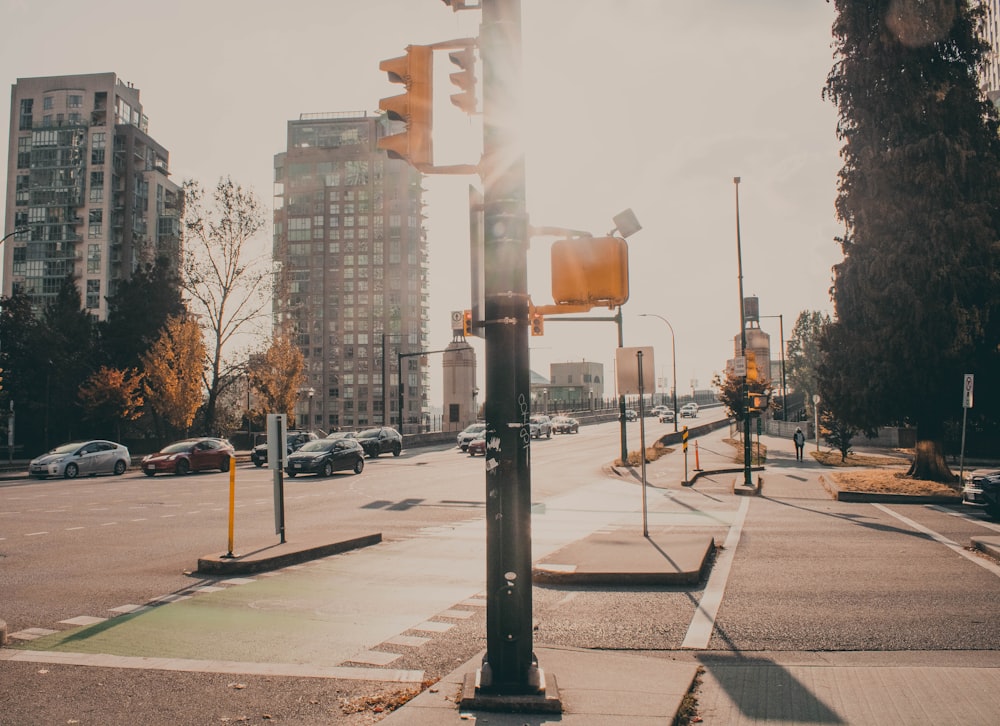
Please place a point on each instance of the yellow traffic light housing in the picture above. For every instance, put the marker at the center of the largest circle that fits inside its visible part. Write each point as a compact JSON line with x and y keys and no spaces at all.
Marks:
{"x":537,"y":324}
{"x":752,"y":373}
{"x":467,"y":323}
{"x":590,"y":271}
{"x":465,"y":79}
{"x":415,"y":107}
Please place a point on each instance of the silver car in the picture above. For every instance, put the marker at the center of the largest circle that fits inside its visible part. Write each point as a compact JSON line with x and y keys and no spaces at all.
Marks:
{"x":82,"y":458}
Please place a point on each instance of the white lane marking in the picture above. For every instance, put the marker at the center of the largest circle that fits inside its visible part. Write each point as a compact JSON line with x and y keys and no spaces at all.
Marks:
{"x":703,"y":623}
{"x":965,"y":514}
{"x":35,"y":534}
{"x":73,"y":529}
{"x":941,"y":539}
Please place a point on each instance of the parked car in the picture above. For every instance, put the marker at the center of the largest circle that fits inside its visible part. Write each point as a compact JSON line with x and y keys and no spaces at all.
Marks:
{"x":667,"y":416}
{"x":342,"y":435}
{"x":982,"y":490}
{"x":565,"y":425}
{"x":689,"y":410}
{"x":293,"y":440}
{"x":380,"y":440}
{"x":189,"y":455}
{"x":478,"y":444}
{"x":541,"y":425}
{"x":81,"y":458}
{"x":469,"y":433}
{"x":325,"y":456}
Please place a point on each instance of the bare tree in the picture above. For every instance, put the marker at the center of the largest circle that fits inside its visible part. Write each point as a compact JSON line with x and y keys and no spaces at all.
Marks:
{"x":227,"y":285}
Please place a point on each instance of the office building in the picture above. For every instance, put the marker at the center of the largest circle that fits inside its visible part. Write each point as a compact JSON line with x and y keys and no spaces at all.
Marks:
{"x":350,"y":254}
{"x":88,"y":190}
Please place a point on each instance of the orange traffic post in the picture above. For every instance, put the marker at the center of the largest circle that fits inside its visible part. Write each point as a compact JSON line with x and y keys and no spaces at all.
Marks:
{"x":697,"y":464}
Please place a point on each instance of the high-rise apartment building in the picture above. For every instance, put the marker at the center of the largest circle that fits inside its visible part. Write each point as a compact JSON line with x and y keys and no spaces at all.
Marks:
{"x":88,"y":190}
{"x":991,"y":33}
{"x":350,"y":254}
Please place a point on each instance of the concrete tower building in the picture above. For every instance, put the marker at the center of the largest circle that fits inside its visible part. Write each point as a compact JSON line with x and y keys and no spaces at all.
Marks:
{"x":88,"y":190}
{"x":350,"y":256}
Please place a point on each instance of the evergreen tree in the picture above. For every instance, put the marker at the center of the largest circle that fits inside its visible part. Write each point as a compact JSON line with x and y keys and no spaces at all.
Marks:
{"x":804,"y":354}
{"x":917,"y":293}
{"x":138,"y":311}
{"x":67,"y":348}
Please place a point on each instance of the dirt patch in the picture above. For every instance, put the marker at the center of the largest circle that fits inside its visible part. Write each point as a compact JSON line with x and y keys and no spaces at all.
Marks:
{"x":833,"y":458}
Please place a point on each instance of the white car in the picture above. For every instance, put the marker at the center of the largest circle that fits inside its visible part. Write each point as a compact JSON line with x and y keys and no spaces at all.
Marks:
{"x":667,"y":416}
{"x":82,"y":458}
{"x":689,"y":410}
{"x":469,"y":434}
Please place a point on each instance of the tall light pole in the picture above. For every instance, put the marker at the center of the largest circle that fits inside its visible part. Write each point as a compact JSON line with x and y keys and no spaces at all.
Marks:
{"x":784,"y":391}
{"x":673,"y":357}
{"x":747,"y":479}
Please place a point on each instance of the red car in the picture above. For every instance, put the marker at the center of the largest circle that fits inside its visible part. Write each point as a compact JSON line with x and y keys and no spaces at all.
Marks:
{"x":189,"y":455}
{"x":477,"y":445}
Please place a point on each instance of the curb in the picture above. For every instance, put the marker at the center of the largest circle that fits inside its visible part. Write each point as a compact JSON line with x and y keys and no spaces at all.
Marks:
{"x":222,"y":565}
{"x":881,"y":498}
{"x":987,"y":545}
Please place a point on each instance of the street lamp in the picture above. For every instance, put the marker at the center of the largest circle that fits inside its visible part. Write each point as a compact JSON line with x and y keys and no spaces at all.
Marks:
{"x":784,"y":391}
{"x":673,"y":356}
{"x":311,"y":392}
{"x":747,"y":479}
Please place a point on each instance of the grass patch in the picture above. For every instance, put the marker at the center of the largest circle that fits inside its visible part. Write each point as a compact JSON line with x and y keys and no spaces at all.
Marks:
{"x":833,"y":458}
{"x":887,"y":481}
{"x":758,"y":452}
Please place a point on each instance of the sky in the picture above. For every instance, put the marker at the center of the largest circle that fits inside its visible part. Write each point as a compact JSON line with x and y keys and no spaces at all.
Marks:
{"x":652,"y":105}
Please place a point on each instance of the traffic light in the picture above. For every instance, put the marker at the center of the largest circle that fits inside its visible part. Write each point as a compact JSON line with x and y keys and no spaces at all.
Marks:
{"x":756,"y":401}
{"x":590,"y":270}
{"x":415,"y":107}
{"x":467,"y":323}
{"x":752,"y":372}
{"x":537,"y":324}
{"x":465,"y":79}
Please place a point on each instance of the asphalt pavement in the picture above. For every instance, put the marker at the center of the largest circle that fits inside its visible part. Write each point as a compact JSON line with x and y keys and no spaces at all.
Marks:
{"x":592,"y":686}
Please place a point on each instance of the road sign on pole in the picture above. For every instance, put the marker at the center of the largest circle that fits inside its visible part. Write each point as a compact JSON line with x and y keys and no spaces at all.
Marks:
{"x":967,"y":390}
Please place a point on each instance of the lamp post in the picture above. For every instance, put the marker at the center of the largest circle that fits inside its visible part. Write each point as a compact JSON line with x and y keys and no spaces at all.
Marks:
{"x":784,"y":391}
{"x":475,"y":405}
{"x":309,"y":411}
{"x":747,"y":479}
{"x":673,"y":357}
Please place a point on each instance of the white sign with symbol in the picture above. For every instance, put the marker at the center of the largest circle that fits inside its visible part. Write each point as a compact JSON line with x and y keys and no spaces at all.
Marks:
{"x":967,"y":391}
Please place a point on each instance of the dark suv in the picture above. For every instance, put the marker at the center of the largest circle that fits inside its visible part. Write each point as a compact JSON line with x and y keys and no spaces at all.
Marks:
{"x":380,"y":440}
{"x":293,"y":441}
{"x":983,"y":490}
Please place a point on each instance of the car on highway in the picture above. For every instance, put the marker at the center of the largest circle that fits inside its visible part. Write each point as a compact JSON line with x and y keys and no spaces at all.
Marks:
{"x":689,"y":410}
{"x":478,"y":444}
{"x":187,"y":455}
{"x":322,"y":457}
{"x":81,"y":458}
{"x":982,"y":490}
{"x":293,"y":440}
{"x":469,"y":433}
{"x":565,"y":425}
{"x":380,"y":440}
{"x":540,"y":425}
{"x":667,"y":416}
{"x":630,"y":415}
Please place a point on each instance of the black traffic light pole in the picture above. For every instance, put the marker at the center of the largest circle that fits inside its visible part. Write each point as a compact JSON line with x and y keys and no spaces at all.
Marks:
{"x":509,"y":667}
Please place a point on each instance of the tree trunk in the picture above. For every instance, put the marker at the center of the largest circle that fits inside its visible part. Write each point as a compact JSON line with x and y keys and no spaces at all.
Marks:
{"x":929,"y":464}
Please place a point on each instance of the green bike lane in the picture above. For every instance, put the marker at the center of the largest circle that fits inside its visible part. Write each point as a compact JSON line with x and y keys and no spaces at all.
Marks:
{"x":310,"y":619}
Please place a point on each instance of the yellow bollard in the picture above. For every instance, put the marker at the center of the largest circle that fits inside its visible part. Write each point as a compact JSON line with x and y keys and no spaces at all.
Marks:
{"x":232,"y":502}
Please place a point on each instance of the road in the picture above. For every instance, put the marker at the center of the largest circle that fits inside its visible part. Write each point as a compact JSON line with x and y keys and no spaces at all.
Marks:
{"x":802,"y":578}
{"x":92,"y":545}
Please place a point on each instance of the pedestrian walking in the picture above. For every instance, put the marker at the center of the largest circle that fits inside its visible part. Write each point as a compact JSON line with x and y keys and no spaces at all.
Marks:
{"x":800,"y":442}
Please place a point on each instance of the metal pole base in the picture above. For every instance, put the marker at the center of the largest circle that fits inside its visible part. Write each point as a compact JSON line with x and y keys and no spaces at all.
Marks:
{"x":540,"y":695}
